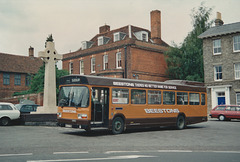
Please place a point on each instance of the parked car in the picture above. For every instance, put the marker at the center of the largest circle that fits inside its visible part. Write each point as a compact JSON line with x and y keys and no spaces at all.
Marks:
{"x":8,"y":112}
{"x":225,"y":112}
{"x":26,"y":108}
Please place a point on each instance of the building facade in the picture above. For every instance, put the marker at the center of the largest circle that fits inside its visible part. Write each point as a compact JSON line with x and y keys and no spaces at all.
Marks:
{"x":16,"y":72}
{"x":221,"y":54}
{"x":127,"y":52}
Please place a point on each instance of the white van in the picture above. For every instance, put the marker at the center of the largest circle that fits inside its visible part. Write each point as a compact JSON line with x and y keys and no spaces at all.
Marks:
{"x":8,"y":112}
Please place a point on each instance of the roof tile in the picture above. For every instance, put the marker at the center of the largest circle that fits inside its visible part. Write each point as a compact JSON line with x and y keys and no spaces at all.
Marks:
{"x":19,"y":64}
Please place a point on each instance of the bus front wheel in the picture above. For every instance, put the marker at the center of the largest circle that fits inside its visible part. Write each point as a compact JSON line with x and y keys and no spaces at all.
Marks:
{"x":181,"y":124}
{"x":117,"y":125}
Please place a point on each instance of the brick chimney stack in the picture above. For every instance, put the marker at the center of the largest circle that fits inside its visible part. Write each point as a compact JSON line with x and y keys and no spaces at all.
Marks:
{"x":31,"y":51}
{"x":156,"y":26}
{"x":103,"y":29}
{"x":218,"y":21}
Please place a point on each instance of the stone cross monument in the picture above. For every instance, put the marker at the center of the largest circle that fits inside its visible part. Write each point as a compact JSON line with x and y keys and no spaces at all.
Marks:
{"x":49,"y":56}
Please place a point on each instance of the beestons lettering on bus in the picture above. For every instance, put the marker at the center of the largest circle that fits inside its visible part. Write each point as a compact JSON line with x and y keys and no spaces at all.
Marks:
{"x":161,"y":111}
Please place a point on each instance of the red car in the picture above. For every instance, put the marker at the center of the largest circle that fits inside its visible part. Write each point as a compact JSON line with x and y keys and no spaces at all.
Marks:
{"x":225,"y":112}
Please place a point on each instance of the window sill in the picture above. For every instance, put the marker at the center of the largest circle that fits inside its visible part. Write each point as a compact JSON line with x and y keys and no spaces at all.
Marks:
{"x":218,"y":80}
{"x":236,"y":51}
{"x":216,"y":54}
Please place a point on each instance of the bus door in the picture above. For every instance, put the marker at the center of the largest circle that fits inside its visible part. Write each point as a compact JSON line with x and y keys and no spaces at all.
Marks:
{"x":100,"y":105}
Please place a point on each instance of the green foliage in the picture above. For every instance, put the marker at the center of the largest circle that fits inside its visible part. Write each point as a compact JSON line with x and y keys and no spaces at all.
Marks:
{"x":20,"y":93}
{"x":186,"y":61}
{"x":59,"y":74}
{"x":37,"y":83}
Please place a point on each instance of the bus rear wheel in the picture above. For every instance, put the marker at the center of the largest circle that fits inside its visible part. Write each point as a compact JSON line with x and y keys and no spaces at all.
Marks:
{"x":117,"y":125}
{"x":181,"y":124}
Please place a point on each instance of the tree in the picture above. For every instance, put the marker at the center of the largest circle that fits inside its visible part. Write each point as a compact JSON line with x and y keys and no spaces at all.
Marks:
{"x":37,"y":83}
{"x":185,"y":62}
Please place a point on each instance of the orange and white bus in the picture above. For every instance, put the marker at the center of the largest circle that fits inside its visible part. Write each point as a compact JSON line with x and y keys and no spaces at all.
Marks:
{"x":117,"y":104}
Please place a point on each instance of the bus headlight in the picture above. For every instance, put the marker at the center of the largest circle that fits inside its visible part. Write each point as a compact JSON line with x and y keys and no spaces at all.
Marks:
{"x":82,"y":116}
{"x":59,"y":115}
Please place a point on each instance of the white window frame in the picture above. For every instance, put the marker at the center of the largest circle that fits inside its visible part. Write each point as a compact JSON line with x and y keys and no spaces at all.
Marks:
{"x":81,"y":67}
{"x":237,"y":70}
{"x":146,"y":37}
{"x":100,"y":41}
{"x":105,"y":61}
{"x":116,"y":37}
{"x":217,"y":46}
{"x":216,"y":73}
{"x":236,"y":43}
{"x":118,"y":59}
{"x":93,"y":65}
{"x":237,"y":98}
{"x":84,"y":45}
{"x":139,"y":35}
{"x":70,"y":67}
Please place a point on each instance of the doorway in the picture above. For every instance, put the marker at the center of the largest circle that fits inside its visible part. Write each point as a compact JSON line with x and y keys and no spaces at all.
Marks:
{"x":221,"y":98}
{"x":100,"y":105}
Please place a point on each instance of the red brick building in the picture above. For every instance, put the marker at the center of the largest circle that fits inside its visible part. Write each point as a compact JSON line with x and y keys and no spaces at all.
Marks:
{"x":16,"y":71}
{"x":127,"y":52}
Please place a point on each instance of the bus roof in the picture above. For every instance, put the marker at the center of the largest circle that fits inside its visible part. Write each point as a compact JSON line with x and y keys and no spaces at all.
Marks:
{"x":121,"y":82}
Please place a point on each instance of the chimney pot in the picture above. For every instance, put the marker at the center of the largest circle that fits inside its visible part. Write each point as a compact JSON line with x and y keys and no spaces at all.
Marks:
{"x":218,"y":21}
{"x":31,"y":51}
{"x":219,"y":16}
{"x":103,"y":29}
{"x":156,"y":26}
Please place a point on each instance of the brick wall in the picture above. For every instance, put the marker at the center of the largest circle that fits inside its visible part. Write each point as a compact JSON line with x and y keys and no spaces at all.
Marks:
{"x":37,"y":98}
{"x":98,"y":62}
{"x":144,"y":61}
{"x":148,"y":65}
{"x":8,"y":90}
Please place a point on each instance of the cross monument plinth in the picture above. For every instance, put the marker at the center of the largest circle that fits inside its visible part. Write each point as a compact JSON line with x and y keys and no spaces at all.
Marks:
{"x":49,"y":56}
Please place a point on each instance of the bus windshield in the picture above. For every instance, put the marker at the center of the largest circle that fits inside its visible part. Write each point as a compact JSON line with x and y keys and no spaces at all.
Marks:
{"x":76,"y":96}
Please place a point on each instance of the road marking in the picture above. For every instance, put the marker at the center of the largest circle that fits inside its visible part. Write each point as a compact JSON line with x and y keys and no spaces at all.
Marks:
{"x":26,"y":154}
{"x":175,"y":151}
{"x":112,"y":152}
{"x":230,"y":152}
{"x":98,"y":159}
{"x":82,"y":152}
{"x":207,"y":151}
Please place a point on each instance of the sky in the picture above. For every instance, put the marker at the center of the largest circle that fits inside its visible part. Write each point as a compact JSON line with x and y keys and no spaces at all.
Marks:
{"x":25,"y":23}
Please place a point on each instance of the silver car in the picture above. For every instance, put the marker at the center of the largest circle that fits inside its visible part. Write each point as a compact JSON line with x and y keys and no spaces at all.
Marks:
{"x":8,"y":112}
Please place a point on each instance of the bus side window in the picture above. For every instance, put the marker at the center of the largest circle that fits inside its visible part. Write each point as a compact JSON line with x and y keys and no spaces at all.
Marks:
{"x":138,"y":96}
{"x":120,"y":96}
{"x":203,"y":102}
{"x":182,"y":98}
{"x":194,"y":98}
{"x":168,"y":98}
{"x":154,"y":97}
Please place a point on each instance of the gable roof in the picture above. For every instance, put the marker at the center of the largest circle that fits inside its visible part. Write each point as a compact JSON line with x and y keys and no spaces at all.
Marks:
{"x":124,"y":30}
{"x":221,"y":30}
{"x":19,"y":64}
{"x":130,"y":34}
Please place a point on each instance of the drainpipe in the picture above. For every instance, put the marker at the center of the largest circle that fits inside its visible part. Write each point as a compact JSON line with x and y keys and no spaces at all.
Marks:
{"x":125,"y":69}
